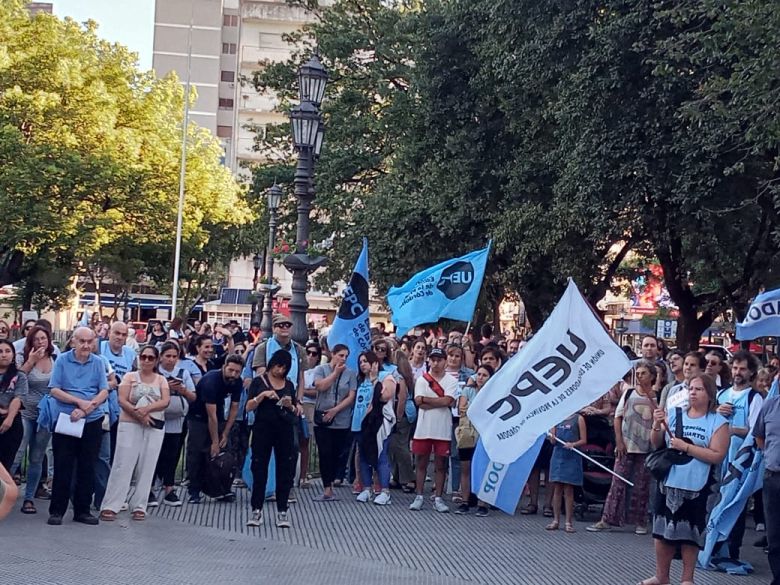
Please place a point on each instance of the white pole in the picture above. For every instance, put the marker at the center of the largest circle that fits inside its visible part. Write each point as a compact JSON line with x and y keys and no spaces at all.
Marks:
{"x":182,"y":170}
{"x":581,"y":454}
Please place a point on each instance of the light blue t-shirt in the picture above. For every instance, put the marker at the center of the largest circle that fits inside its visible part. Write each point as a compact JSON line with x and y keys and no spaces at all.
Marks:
{"x":363,"y":396}
{"x":82,"y":380}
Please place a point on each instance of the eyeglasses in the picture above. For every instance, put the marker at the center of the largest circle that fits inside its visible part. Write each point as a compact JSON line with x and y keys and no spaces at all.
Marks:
{"x":312,"y":353}
{"x":146,"y":357}
{"x":284,"y":325}
{"x":382,"y":349}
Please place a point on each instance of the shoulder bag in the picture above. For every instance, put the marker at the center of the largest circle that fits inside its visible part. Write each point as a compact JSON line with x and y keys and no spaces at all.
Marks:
{"x":319,"y":415}
{"x":660,"y":461}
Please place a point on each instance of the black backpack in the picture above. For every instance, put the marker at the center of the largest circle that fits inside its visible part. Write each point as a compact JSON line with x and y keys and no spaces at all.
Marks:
{"x":218,"y":475}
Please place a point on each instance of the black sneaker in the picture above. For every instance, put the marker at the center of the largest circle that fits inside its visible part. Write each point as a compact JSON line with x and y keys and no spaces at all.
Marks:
{"x":462,"y":509}
{"x":55,"y":520}
{"x":87,"y":519}
{"x":152,"y":502}
{"x":228,"y":498}
{"x":171,"y":499}
{"x":194,"y":499}
{"x":482,"y":511}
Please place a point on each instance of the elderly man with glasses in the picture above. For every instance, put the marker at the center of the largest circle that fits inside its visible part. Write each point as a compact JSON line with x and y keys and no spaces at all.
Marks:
{"x":79,"y":387}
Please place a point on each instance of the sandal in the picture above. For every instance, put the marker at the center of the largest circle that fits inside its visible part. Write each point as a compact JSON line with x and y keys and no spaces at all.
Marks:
{"x":552,"y":526}
{"x":547,"y":512}
{"x":569,"y":528}
{"x":138,"y":516}
{"x":651,"y":581}
{"x":107,"y":516}
{"x":529,"y":509}
{"x":409,"y":488}
{"x":28,"y":507}
{"x":304,"y":484}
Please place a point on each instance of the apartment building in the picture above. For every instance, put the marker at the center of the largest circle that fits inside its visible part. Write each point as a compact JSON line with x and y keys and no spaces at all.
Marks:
{"x":198,"y":40}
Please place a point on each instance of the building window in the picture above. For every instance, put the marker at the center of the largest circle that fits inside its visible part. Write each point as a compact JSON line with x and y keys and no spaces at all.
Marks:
{"x":226,"y":103}
{"x":228,"y":48}
{"x":225,"y":131}
{"x":229,"y":76}
{"x":230,"y":20}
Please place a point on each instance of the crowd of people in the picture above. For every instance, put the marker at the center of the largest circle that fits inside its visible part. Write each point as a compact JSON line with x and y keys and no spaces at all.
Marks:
{"x":107,"y":424}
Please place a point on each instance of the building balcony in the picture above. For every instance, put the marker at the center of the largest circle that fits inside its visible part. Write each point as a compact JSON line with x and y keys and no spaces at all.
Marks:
{"x":251,"y":55}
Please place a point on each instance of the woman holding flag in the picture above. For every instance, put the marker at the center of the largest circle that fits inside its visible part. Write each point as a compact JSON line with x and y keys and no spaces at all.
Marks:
{"x":680,"y":502}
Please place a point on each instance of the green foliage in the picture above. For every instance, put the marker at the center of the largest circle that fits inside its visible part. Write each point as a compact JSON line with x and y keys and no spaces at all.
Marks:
{"x":570,"y":133}
{"x":89,"y":161}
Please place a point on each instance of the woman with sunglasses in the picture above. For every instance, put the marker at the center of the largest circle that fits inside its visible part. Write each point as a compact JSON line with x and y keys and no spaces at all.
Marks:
{"x":382,"y":350}
{"x":13,"y":389}
{"x":143,"y":396}
{"x":5,"y":330}
{"x":37,"y":361}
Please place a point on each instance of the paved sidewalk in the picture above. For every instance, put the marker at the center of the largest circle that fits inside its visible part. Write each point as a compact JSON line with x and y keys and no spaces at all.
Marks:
{"x":335,"y":542}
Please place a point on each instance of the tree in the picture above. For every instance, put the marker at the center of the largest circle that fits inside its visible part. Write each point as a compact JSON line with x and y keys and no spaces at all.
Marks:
{"x":89,"y":160}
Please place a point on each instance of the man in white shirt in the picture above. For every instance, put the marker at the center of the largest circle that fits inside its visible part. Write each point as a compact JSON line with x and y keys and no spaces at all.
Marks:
{"x":434,"y":395}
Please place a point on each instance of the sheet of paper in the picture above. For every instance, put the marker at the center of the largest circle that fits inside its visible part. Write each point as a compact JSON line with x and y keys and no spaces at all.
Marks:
{"x":65,"y":426}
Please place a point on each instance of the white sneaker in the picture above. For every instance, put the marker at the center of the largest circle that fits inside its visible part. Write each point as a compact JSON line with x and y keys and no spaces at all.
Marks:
{"x":760,"y":527}
{"x":124,"y":507}
{"x":383,"y":499}
{"x":417,"y":504}
{"x":364,"y":496}
{"x":440,"y":506}
{"x":256,"y":519}
{"x":282,"y":521}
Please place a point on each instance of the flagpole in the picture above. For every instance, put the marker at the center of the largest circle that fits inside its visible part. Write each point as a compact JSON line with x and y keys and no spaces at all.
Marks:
{"x":182,"y":170}
{"x":581,"y":454}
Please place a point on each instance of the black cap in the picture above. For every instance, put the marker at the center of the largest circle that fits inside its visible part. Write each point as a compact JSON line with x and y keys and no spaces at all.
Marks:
{"x":437,"y":353}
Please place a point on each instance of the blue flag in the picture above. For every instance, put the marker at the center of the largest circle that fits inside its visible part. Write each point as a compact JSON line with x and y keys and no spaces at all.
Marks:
{"x":744,"y":477}
{"x":351,"y":326}
{"x":763,"y":317}
{"x":499,"y":484}
{"x":449,"y":289}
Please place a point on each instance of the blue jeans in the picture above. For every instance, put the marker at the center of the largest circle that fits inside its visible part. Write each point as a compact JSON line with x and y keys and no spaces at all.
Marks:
{"x":38,"y":440}
{"x":17,"y":466}
{"x":382,"y":469}
{"x":102,"y":469}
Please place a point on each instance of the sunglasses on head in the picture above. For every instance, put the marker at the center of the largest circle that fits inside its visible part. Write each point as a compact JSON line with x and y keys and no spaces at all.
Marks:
{"x":145,"y":357}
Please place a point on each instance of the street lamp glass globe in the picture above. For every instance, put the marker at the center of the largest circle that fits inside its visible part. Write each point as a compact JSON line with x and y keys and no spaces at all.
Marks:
{"x":305,"y":121}
{"x":274,"y":197}
{"x":257,"y":262}
{"x":318,"y":140}
{"x":312,"y":78}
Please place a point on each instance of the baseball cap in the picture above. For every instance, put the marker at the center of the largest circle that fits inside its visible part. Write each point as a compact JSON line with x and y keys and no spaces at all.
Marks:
{"x":437,"y":353}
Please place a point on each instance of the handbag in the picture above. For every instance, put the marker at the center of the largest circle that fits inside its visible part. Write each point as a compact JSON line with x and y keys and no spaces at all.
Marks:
{"x":660,"y":461}
{"x":319,"y":415}
{"x":465,"y":434}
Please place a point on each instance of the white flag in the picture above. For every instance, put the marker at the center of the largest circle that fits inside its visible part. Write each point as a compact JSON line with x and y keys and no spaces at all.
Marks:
{"x":568,"y":364}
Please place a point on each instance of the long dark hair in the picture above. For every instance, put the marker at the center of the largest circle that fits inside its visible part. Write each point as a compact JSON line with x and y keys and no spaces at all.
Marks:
{"x":371,"y":358}
{"x":12,"y":370}
{"x":30,"y":341}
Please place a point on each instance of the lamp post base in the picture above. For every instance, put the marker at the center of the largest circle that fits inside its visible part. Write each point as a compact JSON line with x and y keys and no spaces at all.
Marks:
{"x":301,"y":265}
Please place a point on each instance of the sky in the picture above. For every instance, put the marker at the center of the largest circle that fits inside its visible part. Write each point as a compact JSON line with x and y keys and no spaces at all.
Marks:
{"x":128,"y":22}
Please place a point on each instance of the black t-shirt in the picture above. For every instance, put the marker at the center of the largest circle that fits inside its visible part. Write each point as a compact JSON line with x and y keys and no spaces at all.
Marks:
{"x":213,"y":389}
{"x":267,"y":410}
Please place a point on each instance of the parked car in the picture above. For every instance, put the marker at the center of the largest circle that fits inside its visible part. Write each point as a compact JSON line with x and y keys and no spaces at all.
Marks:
{"x":140,"y":330}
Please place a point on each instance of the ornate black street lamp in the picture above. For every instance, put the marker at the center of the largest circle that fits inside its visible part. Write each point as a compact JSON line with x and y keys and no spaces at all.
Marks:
{"x":268,"y":288}
{"x":308,"y":133}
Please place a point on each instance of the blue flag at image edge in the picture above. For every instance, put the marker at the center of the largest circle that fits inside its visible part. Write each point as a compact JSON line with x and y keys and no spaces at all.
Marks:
{"x":744,"y":478}
{"x":449,"y":289}
{"x":499,"y":484}
{"x":351,"y":326}
{"x":762,"y":318}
